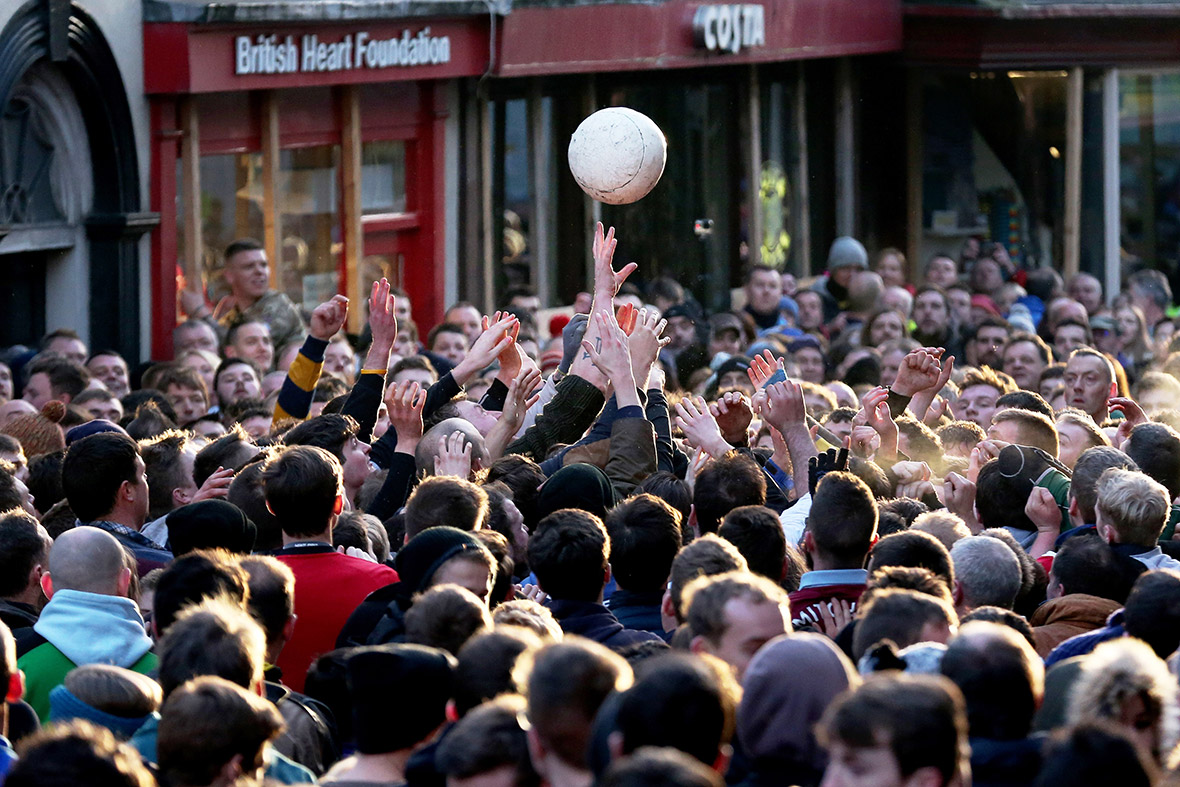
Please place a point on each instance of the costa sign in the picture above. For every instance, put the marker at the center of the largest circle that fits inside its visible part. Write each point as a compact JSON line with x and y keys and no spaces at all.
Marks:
{"x":729,"y":28}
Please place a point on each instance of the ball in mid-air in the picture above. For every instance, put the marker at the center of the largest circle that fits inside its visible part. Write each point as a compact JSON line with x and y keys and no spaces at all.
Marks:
{"x":617,"y":155}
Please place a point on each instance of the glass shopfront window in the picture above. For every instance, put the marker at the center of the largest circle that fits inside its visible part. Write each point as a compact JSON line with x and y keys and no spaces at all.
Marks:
{"x":383,"y":177}
{"x":1149,"y":171}
{"x":993,"y":163}
{"x":309,"y":222}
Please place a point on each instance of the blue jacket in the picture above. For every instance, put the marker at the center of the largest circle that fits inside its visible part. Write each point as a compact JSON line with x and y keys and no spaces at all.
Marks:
{"x":638,"y":611}
{"x":594,"y":621}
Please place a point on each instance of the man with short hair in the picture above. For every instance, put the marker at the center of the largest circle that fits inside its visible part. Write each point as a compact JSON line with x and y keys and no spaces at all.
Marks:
{"x":214,"y":732}
{"x":445,"y":501}
{"x":247,"y":272}
{"x":214,"y":638}
{"x":468,"y":318}
{"x":1089,"y":383}
{"x":105,"y":481}
{"x":566,"y":683}
{"x":1025,"y":356}
{"x":236,"y":379}
{"x":54,"y":377}
{"x":168,"y":464}
{"x":570,"y":555}
{"x":758,"y":534}
{"x":932,"y":318}
{"x":336,"y":434}
{"x":1151,"y":292}
{"x":1003,"y":681}
{"x":897,"y":729}
{"x":645,"y":537}
{"x":724,"y":484}
{"x":904,"y":617}
{"x":1023,"y":427}
{"x":194,"y":335}
{"x":305,"y":490}
{"x":185,"y":390}
{"x":987,"y":343}
{"x":66,"y":343}
{"x":978,"y":392}
{"x":89,"y":618}
{"x":1086,"y":290}
{"x":24,"y":555}
{"x":251,"y":340}
{"x":100,"y":404}
{"x":987,"y":573}
{"x":1155,"y":448}
{"x":764,"y":291}
{"x":732,"y":615}
{"x":1132,"y":510}
{"x":109,"y":367}
{"x":707,"y":556}
{"x":841,"y":529}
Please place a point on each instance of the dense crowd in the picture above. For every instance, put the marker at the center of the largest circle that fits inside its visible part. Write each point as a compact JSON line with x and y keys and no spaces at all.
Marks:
{"x":855,"y":531}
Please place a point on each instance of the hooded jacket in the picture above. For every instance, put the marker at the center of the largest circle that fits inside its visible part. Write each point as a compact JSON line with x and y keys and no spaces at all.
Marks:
{"x":77,"y":628}
{"x":1057,"y":620}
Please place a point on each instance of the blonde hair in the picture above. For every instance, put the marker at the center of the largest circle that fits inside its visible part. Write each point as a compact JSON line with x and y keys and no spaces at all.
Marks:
{"x":1135,"y":505}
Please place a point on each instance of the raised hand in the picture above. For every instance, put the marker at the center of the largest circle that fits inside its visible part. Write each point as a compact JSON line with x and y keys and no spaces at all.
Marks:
{"x":613,"y":358}
{"x":606,"y":281}
{"x":981,"y":454}
{"x":626,"y":317}
{"x":520,"y":398}
{"x":921,"y":401}
{"x":405,"y":402}
{"x":454,"y":456}
{"x":763,"y":367}
{"x":382,"y":314}
{"x":645,"y":342}
{"x":734,"y":414}
{"x":487,"y":348}
{"x":1133,"y":415}
{"x":827,"y":462}
{"x":863,"y":441}
{"x":784,"y":406}
{"x":700,"y":427}
{"x":875,"y":404}
{"x":328,"y":318}
{"x":958,"y":495}
{"x":919,"y":370}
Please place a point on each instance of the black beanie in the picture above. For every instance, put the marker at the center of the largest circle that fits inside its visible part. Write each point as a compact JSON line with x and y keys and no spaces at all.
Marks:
{"x":399,"y":695}
{"x":209,"y":524}
{"x":417,"y":561}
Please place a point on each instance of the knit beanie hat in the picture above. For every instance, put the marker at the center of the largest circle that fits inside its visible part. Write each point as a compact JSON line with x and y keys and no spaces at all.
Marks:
{"x":847,"y":252}
{"x":97,"y":426}
{"x":426,"y":552}
{"x":39,"y":433}
{"x":415,"y":678}
{"x":209,"y":524}
{"x":109,"y":696}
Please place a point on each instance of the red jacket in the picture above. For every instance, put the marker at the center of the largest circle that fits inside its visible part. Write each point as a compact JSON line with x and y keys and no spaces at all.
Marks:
{"x":328,"y":587}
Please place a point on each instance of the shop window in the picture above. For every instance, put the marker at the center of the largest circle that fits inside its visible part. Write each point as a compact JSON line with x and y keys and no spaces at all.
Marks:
{"x":1149,"y":170}
{"x":383,"y":177}
{"x":231,"y":208}
{"x":309,"y":224}
{"x":778,"y":182}
{"x":993,"y":164}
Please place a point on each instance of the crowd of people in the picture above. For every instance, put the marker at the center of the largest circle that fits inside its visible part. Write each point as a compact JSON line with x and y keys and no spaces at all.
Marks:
{"x":854,"y":531}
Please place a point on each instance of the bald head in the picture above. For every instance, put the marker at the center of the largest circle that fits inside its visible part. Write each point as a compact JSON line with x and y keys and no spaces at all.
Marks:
{"x":428,"y":445}
{"x":88,"y":559}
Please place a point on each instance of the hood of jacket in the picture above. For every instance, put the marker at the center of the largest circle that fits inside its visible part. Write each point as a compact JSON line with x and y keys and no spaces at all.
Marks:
{"x":91,"y":628}
{"x":1079,"y":609}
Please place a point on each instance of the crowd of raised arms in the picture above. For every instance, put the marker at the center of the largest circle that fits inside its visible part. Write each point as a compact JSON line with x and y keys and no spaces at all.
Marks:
{"x":855,"y":531}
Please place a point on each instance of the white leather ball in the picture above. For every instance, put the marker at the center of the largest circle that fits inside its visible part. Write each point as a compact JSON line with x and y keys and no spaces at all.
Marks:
{"x":617,"y":155}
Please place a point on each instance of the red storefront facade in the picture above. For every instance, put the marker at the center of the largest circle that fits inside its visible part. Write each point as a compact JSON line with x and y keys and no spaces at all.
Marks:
{"x":376,"y":146}
{"x":324,"y":141}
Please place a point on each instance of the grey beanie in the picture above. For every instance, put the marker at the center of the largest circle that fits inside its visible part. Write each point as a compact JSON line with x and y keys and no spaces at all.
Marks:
{"x":846,"y":252}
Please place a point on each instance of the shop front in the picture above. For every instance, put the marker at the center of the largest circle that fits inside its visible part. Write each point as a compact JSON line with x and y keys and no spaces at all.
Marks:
{"x":324,"y":138}
{"x":1053,"y":128}
{"x":758,"y":102}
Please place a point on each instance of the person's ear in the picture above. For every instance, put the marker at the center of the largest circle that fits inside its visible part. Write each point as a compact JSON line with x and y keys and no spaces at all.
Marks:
{"x":289,"y":628}
{"x":928,"y":776}
{"x":1075,"y":512}
{"x":666,"y":609}
{"x":268,"y":508}
{"x":808,"y":542}
{"x":452,"y":712}
{"x":339,"y":505}
{"x":35,"y":575}
{"x":16,"y":687}
{"x":124,"y":584}
{"x":537,"y":751}
{"x":47,"y":585}
{"x":181,"y":497}
{"x":957,"y":593}
{"x":692,"y":521}
{"x":699,"y":644}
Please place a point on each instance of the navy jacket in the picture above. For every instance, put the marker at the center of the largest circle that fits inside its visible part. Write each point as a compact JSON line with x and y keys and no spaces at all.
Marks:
{"x":594,"y":621}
